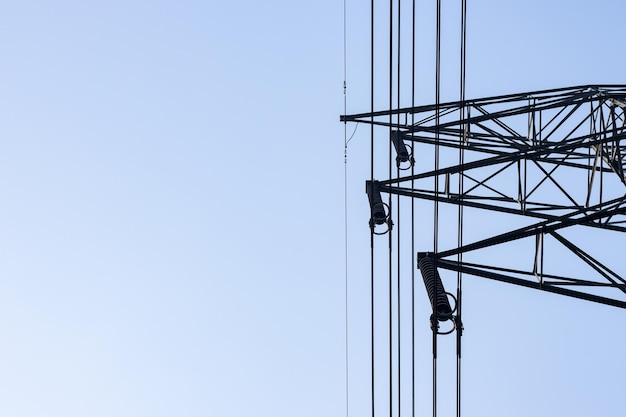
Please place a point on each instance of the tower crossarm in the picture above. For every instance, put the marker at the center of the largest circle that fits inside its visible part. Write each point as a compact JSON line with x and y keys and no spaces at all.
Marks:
{"x":561,"y":285}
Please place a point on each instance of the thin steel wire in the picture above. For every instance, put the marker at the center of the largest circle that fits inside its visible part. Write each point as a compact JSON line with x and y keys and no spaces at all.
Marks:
{"x":462,"y":139}
{"x":436,"y":199}
{"x":373,"y":397}
{"x":345,"y":204}
{"x":399,"y":338}
{"x":390,"y":252}
{"x":413,"y":222}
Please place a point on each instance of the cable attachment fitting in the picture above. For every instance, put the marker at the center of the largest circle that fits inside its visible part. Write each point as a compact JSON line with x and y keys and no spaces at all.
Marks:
{"x":402,"y":150}
{"x":458,"y":325}
{"x":380,"y":213}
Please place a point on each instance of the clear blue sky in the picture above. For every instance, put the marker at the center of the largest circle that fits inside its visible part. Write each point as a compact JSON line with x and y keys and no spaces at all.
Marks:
{"x":171,"y":228}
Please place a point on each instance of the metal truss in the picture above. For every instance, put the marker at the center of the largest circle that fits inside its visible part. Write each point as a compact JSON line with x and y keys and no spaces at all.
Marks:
{"x":555,"y":157}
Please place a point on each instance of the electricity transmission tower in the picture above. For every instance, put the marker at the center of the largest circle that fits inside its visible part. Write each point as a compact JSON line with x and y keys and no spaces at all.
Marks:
{"x":554,"y":156}
{"x":549,"y":164}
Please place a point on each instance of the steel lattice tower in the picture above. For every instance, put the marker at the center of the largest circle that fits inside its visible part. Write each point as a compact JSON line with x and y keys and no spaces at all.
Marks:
{"x":549,"y":164}
{"x":554,"y":156}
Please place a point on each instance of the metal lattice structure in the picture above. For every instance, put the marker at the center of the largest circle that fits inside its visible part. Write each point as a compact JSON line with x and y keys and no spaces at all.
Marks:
{"x":553,"y":157}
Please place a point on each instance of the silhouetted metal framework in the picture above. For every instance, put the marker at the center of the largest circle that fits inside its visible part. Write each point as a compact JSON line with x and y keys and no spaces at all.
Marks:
{"x":555,"y":157}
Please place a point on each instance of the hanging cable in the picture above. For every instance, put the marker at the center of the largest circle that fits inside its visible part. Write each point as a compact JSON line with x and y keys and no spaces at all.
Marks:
{"x":399,"y":340}
{"x":462,"y":144}
{"x":345,"y":201}
{"x":373,"y":398}
{"x":390,"y":260}
{"x":434,"y":324}
{"x":413,"y":222}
